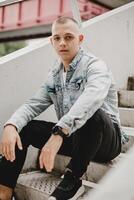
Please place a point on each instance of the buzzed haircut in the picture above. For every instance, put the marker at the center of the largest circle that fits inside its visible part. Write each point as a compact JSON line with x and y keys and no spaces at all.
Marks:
{"x":63,"y":20}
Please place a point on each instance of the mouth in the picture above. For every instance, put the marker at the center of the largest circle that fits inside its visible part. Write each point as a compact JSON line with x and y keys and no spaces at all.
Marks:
{"x":63,"y":50}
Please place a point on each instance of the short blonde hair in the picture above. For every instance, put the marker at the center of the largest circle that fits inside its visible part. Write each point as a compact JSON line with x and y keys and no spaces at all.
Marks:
{"x":63,"y":20}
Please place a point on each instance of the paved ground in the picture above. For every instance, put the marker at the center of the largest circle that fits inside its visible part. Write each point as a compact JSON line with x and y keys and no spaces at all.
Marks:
{"x":85,"y":193}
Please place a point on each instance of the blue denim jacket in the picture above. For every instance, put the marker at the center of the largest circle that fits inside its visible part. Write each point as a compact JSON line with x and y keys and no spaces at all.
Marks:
{"x":89,"y":86}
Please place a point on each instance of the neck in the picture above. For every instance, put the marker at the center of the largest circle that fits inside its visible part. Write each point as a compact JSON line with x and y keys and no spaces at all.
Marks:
{"x":67,"y":62}
{"x":66,"y":67}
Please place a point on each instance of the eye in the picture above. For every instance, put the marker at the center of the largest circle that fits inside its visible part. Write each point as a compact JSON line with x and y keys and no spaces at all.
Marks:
{"x":56,"y":38}
{"x":69,"y":37}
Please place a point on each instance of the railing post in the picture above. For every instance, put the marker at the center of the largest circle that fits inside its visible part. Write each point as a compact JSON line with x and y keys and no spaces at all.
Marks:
{"x":39,"y":11}
{"x":19,"y":14}
{"x":2,"y":20}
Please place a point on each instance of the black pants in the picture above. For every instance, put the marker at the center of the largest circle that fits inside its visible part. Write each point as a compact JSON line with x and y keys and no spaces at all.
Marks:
{"x":99,"y":140}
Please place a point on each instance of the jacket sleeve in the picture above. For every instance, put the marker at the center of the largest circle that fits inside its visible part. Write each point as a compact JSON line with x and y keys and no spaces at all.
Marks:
{"x":91,"y":99}
{"x":31,"y":108}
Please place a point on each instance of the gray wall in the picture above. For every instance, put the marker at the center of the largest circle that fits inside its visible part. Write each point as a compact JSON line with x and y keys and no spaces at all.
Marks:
{"x":111,"y":37}
{"x":21,"y":74}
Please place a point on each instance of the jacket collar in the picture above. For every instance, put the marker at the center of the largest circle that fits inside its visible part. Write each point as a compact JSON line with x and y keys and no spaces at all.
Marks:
{"x":76,"y":59}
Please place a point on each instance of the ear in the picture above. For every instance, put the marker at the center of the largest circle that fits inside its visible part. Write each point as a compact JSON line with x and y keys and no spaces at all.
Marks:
{"x":51,"y":40}
{"x":81,"y":38}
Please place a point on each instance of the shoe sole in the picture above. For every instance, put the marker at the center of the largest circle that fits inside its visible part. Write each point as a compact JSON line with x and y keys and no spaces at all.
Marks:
{"x":78,"y":193}
{"x":75,"y":197}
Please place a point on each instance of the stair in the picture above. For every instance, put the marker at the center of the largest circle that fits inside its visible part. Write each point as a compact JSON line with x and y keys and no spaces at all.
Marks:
{"x":37,"y":184}
{"x":127,"y":116}
{"x":126,"y":103}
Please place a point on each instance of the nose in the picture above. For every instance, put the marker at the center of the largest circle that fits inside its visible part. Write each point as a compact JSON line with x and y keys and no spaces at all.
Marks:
{"x":62,"y":42}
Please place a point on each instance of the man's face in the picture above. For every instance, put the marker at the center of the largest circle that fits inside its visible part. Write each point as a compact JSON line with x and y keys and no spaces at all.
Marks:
{"x":66,"y":40}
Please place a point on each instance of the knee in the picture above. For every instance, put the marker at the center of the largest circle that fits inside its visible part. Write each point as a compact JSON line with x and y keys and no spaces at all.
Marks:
{"x":5,"y":192}
{"x":97,"y":118}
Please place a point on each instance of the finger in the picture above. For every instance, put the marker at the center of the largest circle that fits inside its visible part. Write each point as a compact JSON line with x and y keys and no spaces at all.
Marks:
{"x":0,"y":148}
{"x":51,"y":162}
{"x":12,"y":151}
{"x":45,"y":160}
{"x":48,"y":160}
{"x":3,"y":149}
{"x":6,"y":153}
{"x":19,"y":144}
{"x":41,"y":160}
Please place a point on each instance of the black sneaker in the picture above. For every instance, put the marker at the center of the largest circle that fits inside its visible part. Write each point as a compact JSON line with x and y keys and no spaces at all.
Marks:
{"x":70,"y":188}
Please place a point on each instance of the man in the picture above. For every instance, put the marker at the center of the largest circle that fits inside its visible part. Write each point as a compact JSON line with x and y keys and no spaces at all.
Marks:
{"x":82,"y":90}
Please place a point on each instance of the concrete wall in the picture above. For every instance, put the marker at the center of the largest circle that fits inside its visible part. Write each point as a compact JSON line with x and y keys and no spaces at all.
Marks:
{"x":21,"y":74}
{"x":109,"y":36}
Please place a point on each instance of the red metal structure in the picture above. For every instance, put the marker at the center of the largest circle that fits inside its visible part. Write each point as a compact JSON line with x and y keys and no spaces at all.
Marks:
{"x":33,"y":13}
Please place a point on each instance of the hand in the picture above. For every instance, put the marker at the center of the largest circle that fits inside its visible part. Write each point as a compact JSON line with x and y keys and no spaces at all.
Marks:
{"x":49,"y":152}
{"x":9,"y":140}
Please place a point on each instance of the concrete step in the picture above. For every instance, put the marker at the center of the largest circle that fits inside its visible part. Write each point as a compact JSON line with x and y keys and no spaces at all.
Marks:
{"x":130,"y":134}
{"x":126,"y":98}
{"x":39,"y":185}
{"x":130,"y":83}
{"x":95,"y":171}
{"x":127,"y":116}
{"x":128,"y":130}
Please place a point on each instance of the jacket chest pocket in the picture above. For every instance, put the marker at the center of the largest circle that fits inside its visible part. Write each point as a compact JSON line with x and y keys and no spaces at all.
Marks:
{"x":75,"y":89}
{"x":78,"y":85}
